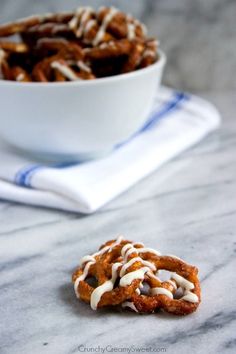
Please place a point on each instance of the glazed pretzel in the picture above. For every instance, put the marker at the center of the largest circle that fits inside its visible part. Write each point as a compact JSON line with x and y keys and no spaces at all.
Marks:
{"x":5,"y":70}
{"x":109,"y":50}
{"x":116,"y":273}
{"x":20,"y":75}
{"x":14,"y":47}
{"x":84,"y":44}
{"x":135,"y":57}
{"x":22,"y":25}
{"x":149,"y":55}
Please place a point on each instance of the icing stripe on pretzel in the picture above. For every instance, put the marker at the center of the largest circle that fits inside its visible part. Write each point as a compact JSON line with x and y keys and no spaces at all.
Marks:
{"x":186,"y":285}
{"x":107,"y":286}
{"x":102,"y":251}
{"x":137,"y":274}
{"x":182,"y":282}
{"x":83,"y":66}
{"x":161,"y":291}
{"x":82,"y":277}
{"x":130,"y":305}
{"x":102,"y":30}
{"x":190,"y":297}
{"x":132,"y":261}
{"x":65,"y":70}
{"x":128,"y":249}
{"x":131,"y":31}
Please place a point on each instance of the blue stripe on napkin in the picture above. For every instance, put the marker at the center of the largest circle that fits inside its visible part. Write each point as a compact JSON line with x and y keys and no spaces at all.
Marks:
{"x":23,"y":176}
{"x":169,"y":107}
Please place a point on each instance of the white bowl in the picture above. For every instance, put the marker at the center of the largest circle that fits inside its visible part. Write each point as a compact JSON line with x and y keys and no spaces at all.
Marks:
{"x":77,"y":120}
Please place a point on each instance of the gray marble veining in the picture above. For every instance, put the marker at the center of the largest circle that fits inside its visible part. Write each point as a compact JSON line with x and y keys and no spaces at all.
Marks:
{"x":187,"y":208}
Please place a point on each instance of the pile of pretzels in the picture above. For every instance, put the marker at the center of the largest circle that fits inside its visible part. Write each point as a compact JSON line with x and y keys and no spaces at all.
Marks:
{"x":127,"y":274}
{"x":80,"y":45}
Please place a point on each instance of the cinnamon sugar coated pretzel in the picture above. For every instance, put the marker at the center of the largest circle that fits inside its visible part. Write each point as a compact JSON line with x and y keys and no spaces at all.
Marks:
{"x":124,"y":273}
{"x":80,"y":45}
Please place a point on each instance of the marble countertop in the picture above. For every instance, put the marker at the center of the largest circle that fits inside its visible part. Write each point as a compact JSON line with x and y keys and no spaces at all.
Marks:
{"x":186,"y":208}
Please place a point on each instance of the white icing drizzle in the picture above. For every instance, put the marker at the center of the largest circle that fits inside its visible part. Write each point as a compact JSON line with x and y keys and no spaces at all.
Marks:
{"x":126,"y":248}
{"x":65,"y":70}
{"x":105,"y":45}
{"x":129,"y":264}
{"x":129,"y":252}
{"x":129,"y":304}
{"x":90,"y":259}
{"x":116,"y":243}
{"x":89,"y":25}
{"x":129,"y":277}
{"x":110,"y":247}
{"x":74,"y":21}
{"x":161,"y":291}
{"x":149,"y":53}
{"x":58,"y":27}
{"x":107,"y":286}
{"x":86,"y":259}
{"x":102,"y":251}
{"x":2,"y":57}
{"x":102,"y":30}
{"x":149,"y":264}
{"x":151,"y":275}
{"x":182,"y":282}
{"x":131,"y":31}
{"x":80,"y":19}
{"x":82,"y":277}
{"x":190,"y":297}
{"x":132,"y":261}
{"x":138,"y":291}
{"x":186,"y":286}
{"x":20,"y":77}
{"x":148,"y":250}
{"x":144,"y":29}
{"x":83,"y":66}
{"x":172,"y":283}
{"x":83,"y":20}
{"x":129,"y":248}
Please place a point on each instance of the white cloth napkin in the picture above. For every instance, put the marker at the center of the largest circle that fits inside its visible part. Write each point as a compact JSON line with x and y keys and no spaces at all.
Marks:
{"x":177,"y":122}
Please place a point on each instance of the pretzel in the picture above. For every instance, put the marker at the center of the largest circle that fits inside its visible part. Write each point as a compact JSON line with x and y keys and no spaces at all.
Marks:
{"x":60,"y":69}
{"x":116,"y":274}
{"x":149,"y":55}
{"x":80,"y":20}
{"x":134,"y":58}
{"x":69,"y":48}
{"x":14,"y":47}
{"x":84,"y":44}
{"x":5,"y":71}
{"x":109,"y":50}
{"x":22,"y":25}
{"x":49,"y":29}
{"x":19,"y":74}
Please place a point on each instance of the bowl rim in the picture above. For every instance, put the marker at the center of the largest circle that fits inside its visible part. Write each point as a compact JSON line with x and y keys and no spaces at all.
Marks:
{"x":80,"y":83}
